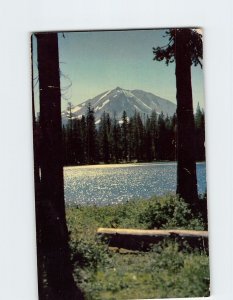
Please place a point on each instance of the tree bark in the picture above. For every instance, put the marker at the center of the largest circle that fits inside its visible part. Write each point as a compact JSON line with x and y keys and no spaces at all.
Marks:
{"x":186,"y":169}
{"x":37,"y":187}
{"x":50,"y":207}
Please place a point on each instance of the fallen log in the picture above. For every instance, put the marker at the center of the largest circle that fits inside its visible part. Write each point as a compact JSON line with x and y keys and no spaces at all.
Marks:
{"x":140,"y":239}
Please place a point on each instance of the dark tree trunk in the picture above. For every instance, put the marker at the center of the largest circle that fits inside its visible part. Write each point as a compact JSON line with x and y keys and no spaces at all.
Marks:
{"x":186,"y":170}
{"x":36,"y":139}
{"x":52,"y":233}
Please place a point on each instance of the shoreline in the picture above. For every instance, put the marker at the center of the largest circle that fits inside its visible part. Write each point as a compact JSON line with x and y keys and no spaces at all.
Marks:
{"x":129,"y":164}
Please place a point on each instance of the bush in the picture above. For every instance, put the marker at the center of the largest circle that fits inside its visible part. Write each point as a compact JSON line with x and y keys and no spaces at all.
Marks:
{"x":89,"y":253}
{"x":169,"y":212}
{"x":170,"y":269}
{"x":179,"y":273}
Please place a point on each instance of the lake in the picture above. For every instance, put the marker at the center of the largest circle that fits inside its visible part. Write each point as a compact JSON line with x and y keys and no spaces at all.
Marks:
{"x":116,"y":183}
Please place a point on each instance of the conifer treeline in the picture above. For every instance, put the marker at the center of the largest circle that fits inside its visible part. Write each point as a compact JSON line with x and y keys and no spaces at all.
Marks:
{"x":138,"y":138}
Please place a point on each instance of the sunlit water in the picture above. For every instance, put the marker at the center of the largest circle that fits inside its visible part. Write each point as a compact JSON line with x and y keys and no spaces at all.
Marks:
{"x":111,"y":184}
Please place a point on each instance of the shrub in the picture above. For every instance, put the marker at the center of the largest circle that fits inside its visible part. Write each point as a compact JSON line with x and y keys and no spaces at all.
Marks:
{"x":88,"y":253}
{"x":179,"y":273}
{"x":169,"y":212}
{"x":170,"y":269}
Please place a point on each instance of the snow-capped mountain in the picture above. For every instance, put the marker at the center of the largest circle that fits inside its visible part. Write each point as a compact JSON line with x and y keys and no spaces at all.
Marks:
{"x":117,"y":100}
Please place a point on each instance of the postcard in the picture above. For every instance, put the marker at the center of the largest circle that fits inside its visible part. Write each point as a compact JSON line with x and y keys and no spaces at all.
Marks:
{"x":120,"y":164}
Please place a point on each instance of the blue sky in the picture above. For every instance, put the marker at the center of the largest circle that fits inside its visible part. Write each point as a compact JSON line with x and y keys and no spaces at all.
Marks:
{"x":97,"y":61}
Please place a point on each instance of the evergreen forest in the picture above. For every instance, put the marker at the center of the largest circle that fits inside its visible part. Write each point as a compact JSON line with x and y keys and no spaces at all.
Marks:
{"x":136,"y":139}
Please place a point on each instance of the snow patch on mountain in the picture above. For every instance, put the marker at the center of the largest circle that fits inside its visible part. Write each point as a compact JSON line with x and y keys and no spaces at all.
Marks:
{"x":141,"y":102}
{"x":104,"y":95}
{"x":137,"y":108}
{"x":75,"y":109}
{"x":104,"y":103}
{"x":115,"y":101}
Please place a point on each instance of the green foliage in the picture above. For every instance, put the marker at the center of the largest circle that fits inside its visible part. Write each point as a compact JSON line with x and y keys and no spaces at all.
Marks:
{"x":192,"y":43}
{"x":157,"y":212}
{"x":179,"y":273}
{"x":168,"y":270}
{"x":88,"y":253}
{"x":169,"y":212}
{"x":161,"y":273}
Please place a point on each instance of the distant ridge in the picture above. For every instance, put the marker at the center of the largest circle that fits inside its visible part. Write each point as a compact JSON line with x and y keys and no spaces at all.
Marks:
{"x":117,"y":100}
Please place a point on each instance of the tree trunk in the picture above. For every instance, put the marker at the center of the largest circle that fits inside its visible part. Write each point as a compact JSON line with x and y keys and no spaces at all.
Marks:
{"x":50,"y":207}
{"x":186,"y":169}
{"x":37,"y":189}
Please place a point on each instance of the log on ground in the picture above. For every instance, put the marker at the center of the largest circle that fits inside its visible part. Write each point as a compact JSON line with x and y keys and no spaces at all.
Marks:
{"x":139,"y":239}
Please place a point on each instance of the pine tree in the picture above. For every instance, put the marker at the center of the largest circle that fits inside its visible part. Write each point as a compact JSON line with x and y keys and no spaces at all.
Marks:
{"x":133,"y":137}
{"x":174,"y":136}
{"x":109,"y":134}
{"x":130,"y":139}
{"x":200,"y":133}
{"x":77,"y":143}
{"x":148,"y":141}
{"x":91,"y":136}
{"x":116,"y":141}
{"x":154,"y":134}
{"x":125,"y":142}
{"x":83,"y":134}
{"x":141,"y":139}
{"x":169,"y":151}
{"x":185,"y":48}
{"x":64,"y":145}
{"x":104,"y":137}
{"x":161,"y":141}
{"x":69,"y":136}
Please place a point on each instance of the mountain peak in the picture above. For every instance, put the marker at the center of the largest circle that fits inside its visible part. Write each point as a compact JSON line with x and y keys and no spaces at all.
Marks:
{"x":118,"y":88}
{"x":115,"y":101}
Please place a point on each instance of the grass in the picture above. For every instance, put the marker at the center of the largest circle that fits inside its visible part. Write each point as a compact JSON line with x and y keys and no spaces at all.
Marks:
{"x":165,"y":271}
